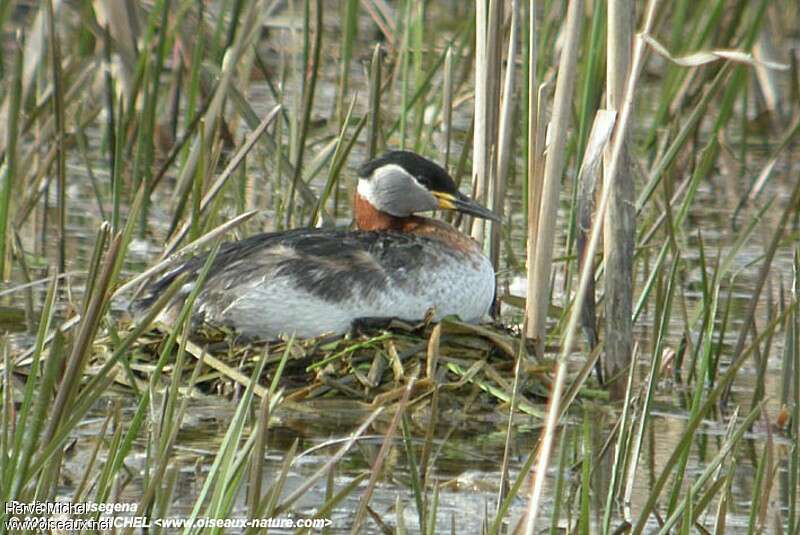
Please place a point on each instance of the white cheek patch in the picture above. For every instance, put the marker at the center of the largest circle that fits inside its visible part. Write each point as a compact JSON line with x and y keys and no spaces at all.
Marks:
{"x":366,"y":190}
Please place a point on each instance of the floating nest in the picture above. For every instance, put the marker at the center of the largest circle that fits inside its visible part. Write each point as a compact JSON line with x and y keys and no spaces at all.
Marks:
{"x":372,"y":367}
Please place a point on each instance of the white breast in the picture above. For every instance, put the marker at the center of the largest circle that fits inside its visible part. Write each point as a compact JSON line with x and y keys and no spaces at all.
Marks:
{"x":269,"y":308}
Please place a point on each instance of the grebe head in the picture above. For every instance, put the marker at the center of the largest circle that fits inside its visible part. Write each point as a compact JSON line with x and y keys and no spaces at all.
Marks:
{"x":401,"y":183}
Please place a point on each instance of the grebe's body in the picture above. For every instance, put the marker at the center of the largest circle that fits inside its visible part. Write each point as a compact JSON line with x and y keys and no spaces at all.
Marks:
{"x":315,"y":281}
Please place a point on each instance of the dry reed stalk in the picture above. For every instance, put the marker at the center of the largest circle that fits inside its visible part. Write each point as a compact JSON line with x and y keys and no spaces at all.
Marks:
{"x":506,"y":128}
{"x":619,"y":230}
{"x":555,"y":408}
{"x":554,"y":169}
{"x":536,"y":134}
{"x":373,"y":125}
{"x":447,"y":106}
{"x":588,"y":177}
{"x":489,"y":20}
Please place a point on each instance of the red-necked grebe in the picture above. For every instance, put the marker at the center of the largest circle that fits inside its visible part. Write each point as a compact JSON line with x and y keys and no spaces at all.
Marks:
{"x":315,"y":281}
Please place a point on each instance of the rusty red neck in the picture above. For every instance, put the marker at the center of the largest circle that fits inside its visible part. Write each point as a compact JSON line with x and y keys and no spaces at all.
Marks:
{"x":370,"y":218}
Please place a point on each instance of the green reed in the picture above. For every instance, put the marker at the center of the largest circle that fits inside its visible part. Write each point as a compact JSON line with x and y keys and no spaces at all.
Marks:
{"x":10,"y":170}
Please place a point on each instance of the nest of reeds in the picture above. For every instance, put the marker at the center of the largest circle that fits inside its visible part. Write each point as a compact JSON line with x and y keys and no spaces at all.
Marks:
{"x":373,"y":366}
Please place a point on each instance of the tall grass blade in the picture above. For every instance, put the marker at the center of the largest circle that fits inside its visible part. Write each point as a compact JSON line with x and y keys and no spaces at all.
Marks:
{"x":9,"y":177}
{"x":312,"y":68}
